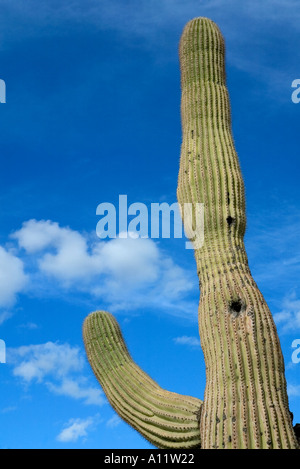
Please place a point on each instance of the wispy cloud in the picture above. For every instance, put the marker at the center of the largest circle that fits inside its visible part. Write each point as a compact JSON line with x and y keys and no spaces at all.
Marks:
{"x":59,"y":367}
{"x":293,"y":390}
{"x":4,"y":316}
{"x":288,"y":319}
{"x":12,"y":278}
{"x":251,"y":24}
{"x":7,"y":410}
{"x":187,"y":340}
{"x":114,"y":421}
{"x":137,"y":15}
{"x":76,"y":429}
{"x":272,"y":244}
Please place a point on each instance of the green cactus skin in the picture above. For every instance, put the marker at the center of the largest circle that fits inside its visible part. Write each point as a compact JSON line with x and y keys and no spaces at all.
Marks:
{"x":166,"y":419}
{"x":245,"y":401}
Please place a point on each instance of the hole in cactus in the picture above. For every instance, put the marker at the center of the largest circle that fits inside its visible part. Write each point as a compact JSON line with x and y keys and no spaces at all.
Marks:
{"x":236,"y":307}
{"x":229,"y":220}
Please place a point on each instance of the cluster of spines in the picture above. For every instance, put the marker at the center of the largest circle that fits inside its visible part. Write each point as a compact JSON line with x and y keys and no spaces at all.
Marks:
{"x":166,"y":419}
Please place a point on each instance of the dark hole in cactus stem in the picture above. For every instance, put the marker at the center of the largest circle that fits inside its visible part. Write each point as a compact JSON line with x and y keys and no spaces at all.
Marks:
{"x":236,"y":307}
{"x":229,"y":220}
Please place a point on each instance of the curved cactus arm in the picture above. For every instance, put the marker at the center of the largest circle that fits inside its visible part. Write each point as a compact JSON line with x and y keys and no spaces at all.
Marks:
{"x":165,"y":419}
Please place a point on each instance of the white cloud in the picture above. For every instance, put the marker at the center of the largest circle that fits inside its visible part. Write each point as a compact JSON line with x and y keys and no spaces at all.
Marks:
{"x":12,"y":278}
{"x":114,"y":421}
{"x":288,"y":319}
{"x":293,"y":390}
{"x":187,"y":340}
{"x":77,"y":389}
{"x":4,"y":315}
{"x":75,"y":429}
{"x":122,"y":273}
{"x":35,"y":236}
{"x":37,"y":361}
{"x":131,"y":260}
{"x":273,"y":248}
{"x":70,"y":261}
{"x":59,"y":367}
{"x":29,"y":326}
{"x":72,"y":258}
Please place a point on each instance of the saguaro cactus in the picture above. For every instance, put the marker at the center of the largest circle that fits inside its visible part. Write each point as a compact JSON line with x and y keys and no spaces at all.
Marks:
{"x":245,"y":403}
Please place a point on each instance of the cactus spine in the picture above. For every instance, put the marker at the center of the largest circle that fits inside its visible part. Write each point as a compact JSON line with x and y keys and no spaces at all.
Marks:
{"x":245,"y":403}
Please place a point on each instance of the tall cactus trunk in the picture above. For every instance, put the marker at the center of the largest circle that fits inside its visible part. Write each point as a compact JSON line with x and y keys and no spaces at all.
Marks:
{"x":245,"y":402}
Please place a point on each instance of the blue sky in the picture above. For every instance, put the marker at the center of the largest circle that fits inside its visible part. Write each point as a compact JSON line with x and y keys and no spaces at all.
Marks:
{"x":92,"y":112}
